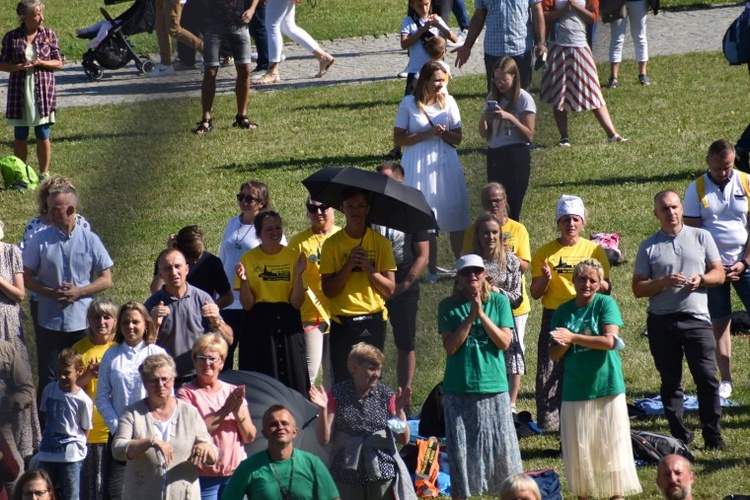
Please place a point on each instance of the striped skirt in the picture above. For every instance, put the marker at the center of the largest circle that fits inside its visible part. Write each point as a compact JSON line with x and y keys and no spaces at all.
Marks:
{"x":482,"y":443}
{"x":571,"y":82}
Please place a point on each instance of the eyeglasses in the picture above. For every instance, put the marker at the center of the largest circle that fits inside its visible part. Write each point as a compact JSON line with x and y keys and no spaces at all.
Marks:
{"x":207,"y":359}
{"x":317,"y":208}
{"x":247,"y":198}
{"x":467,"y":271}
{"x":160,"y":380}
{"x":35,"y":493}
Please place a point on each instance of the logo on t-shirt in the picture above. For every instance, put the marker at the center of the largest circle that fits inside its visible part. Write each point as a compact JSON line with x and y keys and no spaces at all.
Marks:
{"x":280,"y":272}
{"x":564,"y":267}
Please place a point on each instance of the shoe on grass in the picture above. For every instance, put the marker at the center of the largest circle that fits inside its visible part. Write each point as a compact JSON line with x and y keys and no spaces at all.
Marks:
{"x":612,"y":83}
{"x":564,"y":142}
{"x":430,"y":278}
{"x":716,"y":444}
{"x":725,"y":389}
{"x":643,"y":79}
{"x":618,"y":138}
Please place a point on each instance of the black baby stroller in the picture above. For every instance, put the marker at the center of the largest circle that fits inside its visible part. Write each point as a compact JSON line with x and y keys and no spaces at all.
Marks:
{"x":115,"y":51}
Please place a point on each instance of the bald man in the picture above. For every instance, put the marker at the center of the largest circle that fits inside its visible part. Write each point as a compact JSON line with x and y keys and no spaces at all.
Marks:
{"x":675,"y":477}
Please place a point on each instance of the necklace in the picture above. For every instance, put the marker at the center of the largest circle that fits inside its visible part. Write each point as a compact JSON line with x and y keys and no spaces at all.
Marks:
{"x":237,"y":237}
{"x":316,"y":258}
{"x":286,"y":493}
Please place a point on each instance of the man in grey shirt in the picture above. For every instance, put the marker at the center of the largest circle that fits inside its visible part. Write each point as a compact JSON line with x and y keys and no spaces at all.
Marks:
{"x":673,"y":268}
{"x":183,"y":313}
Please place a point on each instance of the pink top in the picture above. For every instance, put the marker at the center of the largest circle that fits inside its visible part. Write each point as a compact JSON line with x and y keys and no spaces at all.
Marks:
{"x":226,"y":437}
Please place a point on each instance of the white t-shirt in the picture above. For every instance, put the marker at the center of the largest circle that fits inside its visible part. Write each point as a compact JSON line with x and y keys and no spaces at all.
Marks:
{"x":68,"y":417}
{"x":504,"y":133}
{"x":417,"y":54}
{"x":725,"y":217}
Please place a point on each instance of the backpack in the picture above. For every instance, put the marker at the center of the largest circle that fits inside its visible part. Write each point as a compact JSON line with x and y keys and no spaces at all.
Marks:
{"x":652,"y":447}
{"x":16,"y":174}
{"x":700,"y":186}
{"x":548,"y":481}
{"x":736,"y":42}
{"x":432,"y":419}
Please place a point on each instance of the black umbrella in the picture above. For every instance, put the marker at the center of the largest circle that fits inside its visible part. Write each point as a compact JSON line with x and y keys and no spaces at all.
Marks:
{"x":261,"y":392}
{"x":392,"y":204}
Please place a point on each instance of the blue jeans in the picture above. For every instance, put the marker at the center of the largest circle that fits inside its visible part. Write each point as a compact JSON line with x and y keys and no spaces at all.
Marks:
{"x":212,"y":487}
{"x":215,"y":32}
{"x":67,"y":475}
{"x":720,"y":300}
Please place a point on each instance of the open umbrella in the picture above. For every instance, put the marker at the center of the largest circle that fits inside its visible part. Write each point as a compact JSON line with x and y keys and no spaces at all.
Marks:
{"x":261,"y":392}
{"x":392,"y":204}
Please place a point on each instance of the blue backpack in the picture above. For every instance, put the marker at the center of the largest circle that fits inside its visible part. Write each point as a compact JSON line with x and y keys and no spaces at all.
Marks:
{"x":736,"y":43}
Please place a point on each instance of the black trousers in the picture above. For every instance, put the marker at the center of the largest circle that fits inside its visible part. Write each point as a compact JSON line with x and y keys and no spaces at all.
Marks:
{"x":670,"y":336}
{"x":511,"y":167}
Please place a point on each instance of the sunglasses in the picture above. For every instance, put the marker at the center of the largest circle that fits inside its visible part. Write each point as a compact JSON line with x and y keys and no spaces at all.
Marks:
{"x":468,"y":271}
{"x":247,"y":198}
{"x":317,"y":208}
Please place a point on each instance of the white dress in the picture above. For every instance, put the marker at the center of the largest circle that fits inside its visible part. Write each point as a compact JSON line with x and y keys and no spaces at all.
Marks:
{"x":432,"y":166}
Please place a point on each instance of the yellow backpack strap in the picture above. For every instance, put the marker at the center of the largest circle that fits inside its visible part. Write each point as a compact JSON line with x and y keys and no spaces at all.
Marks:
{"x":744,"y":178}
{"x":700,"y":187}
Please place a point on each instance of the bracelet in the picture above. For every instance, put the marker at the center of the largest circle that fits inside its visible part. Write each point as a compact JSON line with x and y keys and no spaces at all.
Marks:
{"x":745,"y":263}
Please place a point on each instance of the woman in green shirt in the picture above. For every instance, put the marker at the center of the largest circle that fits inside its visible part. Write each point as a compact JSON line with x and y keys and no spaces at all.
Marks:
{"x":594,"y":425}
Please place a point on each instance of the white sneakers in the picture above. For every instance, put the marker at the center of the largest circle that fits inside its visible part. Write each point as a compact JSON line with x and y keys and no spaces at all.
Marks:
{"x":161,"y":70}
{"x":725,"y":389}
{"x":461,"y":39}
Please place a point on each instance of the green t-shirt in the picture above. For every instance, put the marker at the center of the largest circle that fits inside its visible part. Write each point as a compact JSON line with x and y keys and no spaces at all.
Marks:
{"x":478,"y":367}
{"x":590,"y":373}
{"x":256,"y":479}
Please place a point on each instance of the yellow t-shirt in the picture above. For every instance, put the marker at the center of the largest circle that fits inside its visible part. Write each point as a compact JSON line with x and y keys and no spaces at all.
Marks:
{"x":516,"y":238}
{"x":270,"y":276}
{"x":562,"y":260}
{"x":90,"y":352}
{"x":311,"y":245}
{"x":358,"y":295}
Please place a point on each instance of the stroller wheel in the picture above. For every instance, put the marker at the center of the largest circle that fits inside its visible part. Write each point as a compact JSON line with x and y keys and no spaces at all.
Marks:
{"x":147,"y":67}
{"x":93,"y":71}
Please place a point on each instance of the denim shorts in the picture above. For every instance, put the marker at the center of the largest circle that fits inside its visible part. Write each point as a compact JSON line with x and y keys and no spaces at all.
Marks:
{"x":238,"y":36}
{"x":41,"y":132}
{"x":720,"y":298}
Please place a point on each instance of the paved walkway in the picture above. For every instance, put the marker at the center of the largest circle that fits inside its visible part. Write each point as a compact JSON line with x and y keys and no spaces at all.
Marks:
{"x":374,"y":58}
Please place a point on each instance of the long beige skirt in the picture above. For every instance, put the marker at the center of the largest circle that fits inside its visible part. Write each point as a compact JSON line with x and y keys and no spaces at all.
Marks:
{"x":596,"y":446}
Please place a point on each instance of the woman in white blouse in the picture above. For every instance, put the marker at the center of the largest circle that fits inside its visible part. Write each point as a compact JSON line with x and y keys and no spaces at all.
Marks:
{"x":120,"y":384}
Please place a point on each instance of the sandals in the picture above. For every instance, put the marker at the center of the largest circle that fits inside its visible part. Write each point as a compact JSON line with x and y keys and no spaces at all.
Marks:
{"x":325,"y":65}
{"x":242,"y":121}
{"x":205,"y":126}
{"x":267,"y":79}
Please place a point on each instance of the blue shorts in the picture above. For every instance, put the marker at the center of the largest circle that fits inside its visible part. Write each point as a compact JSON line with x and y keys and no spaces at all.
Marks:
{"x":41,"y":132}
{"x":238,"y":36}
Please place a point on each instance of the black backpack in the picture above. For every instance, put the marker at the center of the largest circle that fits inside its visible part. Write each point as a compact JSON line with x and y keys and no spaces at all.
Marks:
{"x":652,"y":447}
{"x":736,"y":42}
{"x":432,"y":417}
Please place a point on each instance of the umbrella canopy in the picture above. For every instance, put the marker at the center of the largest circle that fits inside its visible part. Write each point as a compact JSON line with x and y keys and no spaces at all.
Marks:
{"x":392,"y":204}
{"x":261,"y":392}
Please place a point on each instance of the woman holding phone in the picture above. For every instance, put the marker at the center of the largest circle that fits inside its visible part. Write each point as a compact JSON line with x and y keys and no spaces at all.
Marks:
{"x":507,"y":123}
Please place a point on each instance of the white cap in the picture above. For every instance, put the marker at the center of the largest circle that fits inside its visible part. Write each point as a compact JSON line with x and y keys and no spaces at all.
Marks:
{"x":569,"y":205}
{"x":470,"y":260}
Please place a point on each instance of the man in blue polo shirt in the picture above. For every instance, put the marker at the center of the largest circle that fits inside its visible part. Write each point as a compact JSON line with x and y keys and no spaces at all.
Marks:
{"x":65,"y":265}
{"x":183,"y":313}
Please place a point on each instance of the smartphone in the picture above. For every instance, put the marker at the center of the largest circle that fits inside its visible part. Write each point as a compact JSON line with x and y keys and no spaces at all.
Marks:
{"x":491,"y":104}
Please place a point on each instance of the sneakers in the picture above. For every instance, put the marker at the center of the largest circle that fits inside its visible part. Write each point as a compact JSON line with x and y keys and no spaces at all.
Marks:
{"x":430,"y":278}
{"x":618,"y":138}
{"x":461,"y":39}
{"x":564,"y":142}
{"x":716,"y":444}
{"x":161,"y":70}
{"x":226,"y":61}
{"x":612,"y":83}
{"x":442,"y":271}
{"x":393,"y":155}
{"x":43,"y":176}
{"x":403,"y":74}
{"x":643,"y":79}
{"x":725,"y":389}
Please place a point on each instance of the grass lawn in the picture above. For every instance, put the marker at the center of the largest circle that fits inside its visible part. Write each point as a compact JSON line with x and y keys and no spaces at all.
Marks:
{"x":142,"y":175}
{"x":323,"y":19}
